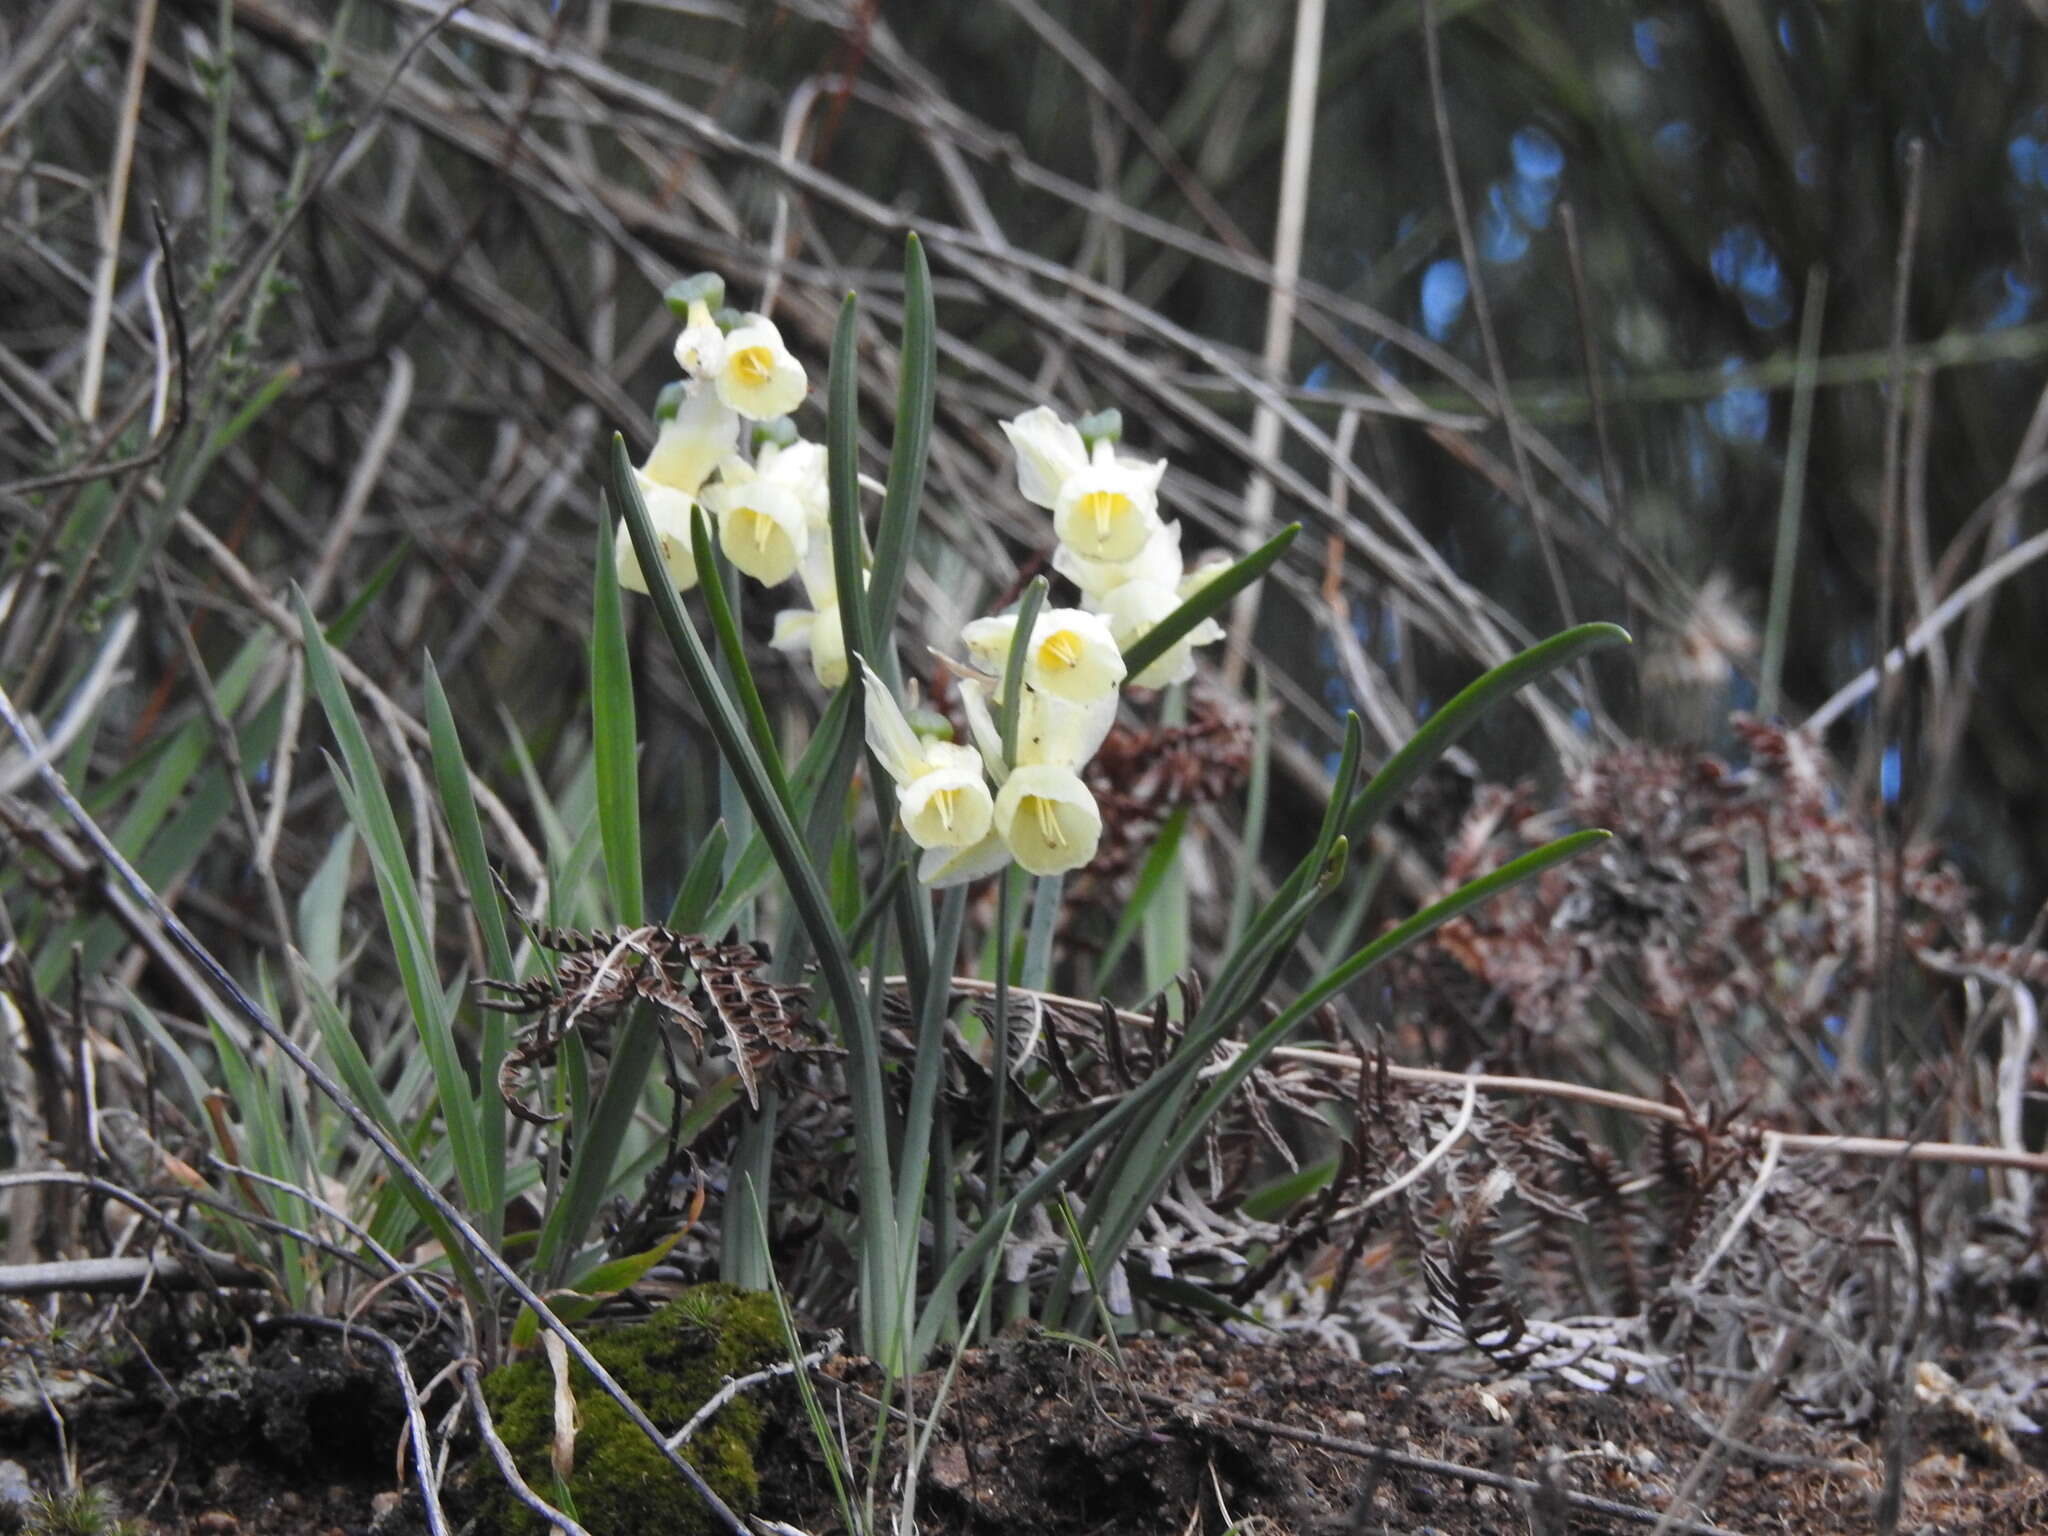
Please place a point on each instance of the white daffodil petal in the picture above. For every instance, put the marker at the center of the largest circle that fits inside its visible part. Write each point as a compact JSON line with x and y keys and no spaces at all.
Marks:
{"x":1048,"y":819}
{"x":759,"y":377}
{"x":669,"y":512}
{"x":988,"y":642}
{"x":941,"y":867}
{"x":691,"y":442}
{"x":1175,"y":664}
{"x":761,"y":527}
{"x":1073,"y":656}
{"x":981,"y":725}
{"x":895,"y":745}
{"x":947,"y":807}
{"x":801,"y":467}
{"x":792,"y":630}
{"x":1048,"y":451}
{"x":700,"y":350}
{"x":1158,"y":562}
{"x":828,"y":647}
{"x":1108,"y":510}
{"x":819,"y":632}
{"x":1053,"y":733}
{"x":1133,"y":609}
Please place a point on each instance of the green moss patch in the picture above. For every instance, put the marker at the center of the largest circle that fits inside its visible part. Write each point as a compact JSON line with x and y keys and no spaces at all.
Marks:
{"x":670,"y":1364}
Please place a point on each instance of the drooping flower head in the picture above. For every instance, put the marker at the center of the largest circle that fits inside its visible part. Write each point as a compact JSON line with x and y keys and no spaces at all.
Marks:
{"x":1044,"y":814}
{"x":942,"y":799}
{"x":1048,"y":819}
{"x":762,"y":525}
{"x":1070,"y":654}
{"x":696,"y":430}
{"x":758,"y":376}
{"x":1134,"y":609}
{"x":669,"y":511}
{"x":816,"y":631}
{"x":1049,"y":450}
{"x":1108,"y":509}
{"x":1159,"y":561}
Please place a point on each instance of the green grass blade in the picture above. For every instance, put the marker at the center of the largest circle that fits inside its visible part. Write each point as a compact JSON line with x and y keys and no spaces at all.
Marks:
{"x":1257,"y":796}
{"x":1442,"y":730}
{"x":466,"y":834}
{"x":732,"y":649}
{"x":1365,"y":960}
{"x":370,"y":808}
{"x":360,"y":1078}
{"x":1151,"y":875}
{"x":1156,"y":641}
{"x":911,"y":446}
{"x":842,"y":477}
{"x":1013,"y":667}
{"x":700,"y":883}
{"x":615,"y":741}
{"x":807,"y":892}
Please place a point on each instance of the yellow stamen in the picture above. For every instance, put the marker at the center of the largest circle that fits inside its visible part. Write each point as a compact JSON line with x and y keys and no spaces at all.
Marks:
{"x":1048,"y":822}
{"x":763,"y":526}
{"x":1062,"y":650}
{"x":754,"y":365}
{"x":944,"y":800}
{"x":1105,"y":507}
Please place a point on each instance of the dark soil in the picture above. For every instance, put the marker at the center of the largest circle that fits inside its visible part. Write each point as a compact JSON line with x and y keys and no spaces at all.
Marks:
{"x":293,"y":1435}
{"x":1043,"y":1437}
{"x":1049,"y":1438}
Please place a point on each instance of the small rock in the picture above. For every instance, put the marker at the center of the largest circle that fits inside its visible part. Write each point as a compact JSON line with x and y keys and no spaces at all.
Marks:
{"x":16,"y":1494}
{"x":227,"y":1477}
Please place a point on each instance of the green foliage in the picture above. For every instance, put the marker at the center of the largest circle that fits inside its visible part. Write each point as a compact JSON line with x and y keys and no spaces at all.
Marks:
{"x":671,"y":1364}
{"x":80,"y":1512}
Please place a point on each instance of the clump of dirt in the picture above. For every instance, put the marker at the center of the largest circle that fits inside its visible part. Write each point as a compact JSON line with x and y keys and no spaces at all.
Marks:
{"x":1044,"y":1437}
{"x":292,"y":1436}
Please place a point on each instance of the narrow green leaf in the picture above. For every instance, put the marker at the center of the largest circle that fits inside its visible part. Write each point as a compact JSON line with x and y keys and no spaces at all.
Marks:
{"x":465,"y":829}
{"x":732,"y":648}
{"x":1165,"y":848}
{"x":1013,"y":667}
{"x":607,"y":1279}
{"x":910,"y":448}
{"x":842,"y":476}
{"x":615,"y":740}
{"x":1443,"y":729}
{"x":362,"y":790}
{"x":807,"y":892}
{"x":1157,"y":640}
{"x":1270,"y":1202}
{"x":700,"y":883}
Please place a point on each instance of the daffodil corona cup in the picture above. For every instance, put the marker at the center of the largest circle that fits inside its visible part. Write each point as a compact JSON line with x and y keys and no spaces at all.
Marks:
{"x":1015,"y":792}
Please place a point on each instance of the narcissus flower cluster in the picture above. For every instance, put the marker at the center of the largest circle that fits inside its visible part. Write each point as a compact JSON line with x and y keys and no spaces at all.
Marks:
{"x":769,"y":510}
{"x":972,"y":808}
{"x":1113,"y":544}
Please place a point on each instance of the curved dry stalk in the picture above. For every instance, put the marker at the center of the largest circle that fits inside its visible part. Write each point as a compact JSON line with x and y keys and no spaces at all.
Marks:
{"x":1959,"y":1153}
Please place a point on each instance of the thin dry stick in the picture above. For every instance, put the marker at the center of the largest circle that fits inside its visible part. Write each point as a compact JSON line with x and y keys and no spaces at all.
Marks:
{"x":1544,"y":1087}
{"x":1428,"y":1465}
{"x":363,"y":479}
{"x":115,"y":214}
{"x":1482,"y":313}
{"x":733,"y":1386}
{"x":1860,"y":687}
{"x":508,"y":1469}
{"x":1280,"y":301}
